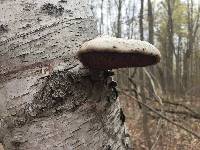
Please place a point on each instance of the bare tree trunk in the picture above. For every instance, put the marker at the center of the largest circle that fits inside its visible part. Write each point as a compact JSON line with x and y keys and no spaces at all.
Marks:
{"x":109,"y":17}
{"x":150,"y":22}
{"x":141,"y":76}
{"x":192,"y":31}
{"x":119,"y":6}
{"x":118,"y":34}
{"x":151,"y":37}
{"x":141,"y":21}
{"x":178,"y":66}
{"x":102,"y":18}
{"x":171,"y":49}
{"x":48,"y":100}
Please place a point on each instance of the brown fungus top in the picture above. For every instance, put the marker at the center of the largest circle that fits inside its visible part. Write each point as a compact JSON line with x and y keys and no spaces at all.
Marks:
{"x":112,"y":53}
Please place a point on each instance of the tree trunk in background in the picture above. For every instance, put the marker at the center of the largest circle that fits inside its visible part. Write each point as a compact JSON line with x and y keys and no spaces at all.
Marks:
{"x":108,"y":17}
{"x":170,"y":61}
{"x":119,"y":29}
{"x":189,"y":46}
{"x":133,"y":17}
{"x":141,"y":21}
{"x":118,"y":34}
{"x":48,"y":100}
{"x":150,"y":22}
{"x":192,"y":31}
{"x":178,"y":66}
{"x":151,"y":38}
{"x":101,"y":22}
{"x":141,"y":76}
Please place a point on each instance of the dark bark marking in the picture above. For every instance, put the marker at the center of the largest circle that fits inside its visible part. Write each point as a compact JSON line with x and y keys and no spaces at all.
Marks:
{"x":3,"y":28}
{"x":122,"y":116}
{"x":52,"y":9}
{"x":75,"y":130}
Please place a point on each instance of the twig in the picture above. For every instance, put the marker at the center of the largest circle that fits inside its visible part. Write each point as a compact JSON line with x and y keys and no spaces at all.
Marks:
{"x":134,"y":73}
{"x":153,"y":87}
{"x":162,"y":116}
{"x":193,"y":113}
{"x":195,"y":116}
{"x":182,"y":105}
{"x":157,"y":133}
{"x":135,"y":87}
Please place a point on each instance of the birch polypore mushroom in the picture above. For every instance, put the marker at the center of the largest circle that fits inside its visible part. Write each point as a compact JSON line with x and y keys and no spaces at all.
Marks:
{"x":112,"y":53}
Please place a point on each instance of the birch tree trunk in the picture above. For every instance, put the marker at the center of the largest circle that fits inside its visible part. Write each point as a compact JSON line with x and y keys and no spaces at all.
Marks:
{"x":48,"y":100}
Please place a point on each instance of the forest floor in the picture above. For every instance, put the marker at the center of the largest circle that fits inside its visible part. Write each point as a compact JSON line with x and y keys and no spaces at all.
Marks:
{"x":164,"y":135}
{"x":1,"y":147}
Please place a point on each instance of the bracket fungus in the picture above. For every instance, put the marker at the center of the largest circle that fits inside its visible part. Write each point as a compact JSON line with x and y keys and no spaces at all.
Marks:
{"x":105,"y":53}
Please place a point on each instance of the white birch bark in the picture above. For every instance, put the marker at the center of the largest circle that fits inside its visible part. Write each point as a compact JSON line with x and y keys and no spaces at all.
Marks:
{"x":47,"y":99}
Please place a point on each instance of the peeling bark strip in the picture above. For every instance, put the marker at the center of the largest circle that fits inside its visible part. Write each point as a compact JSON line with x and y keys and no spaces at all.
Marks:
{"x":66,"y":108}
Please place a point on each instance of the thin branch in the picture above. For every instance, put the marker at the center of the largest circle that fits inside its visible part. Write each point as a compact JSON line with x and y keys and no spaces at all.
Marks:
{"x":157,"y":133}
{"x":134,"y":73}
{"x":181,"y":105}
{"x":195,"y":116}
{"x":153,"y":87}
{"x":162,"y":116}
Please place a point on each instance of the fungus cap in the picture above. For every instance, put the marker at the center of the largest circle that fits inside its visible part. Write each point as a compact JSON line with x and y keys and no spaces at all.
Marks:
{"x":113,"y":53}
